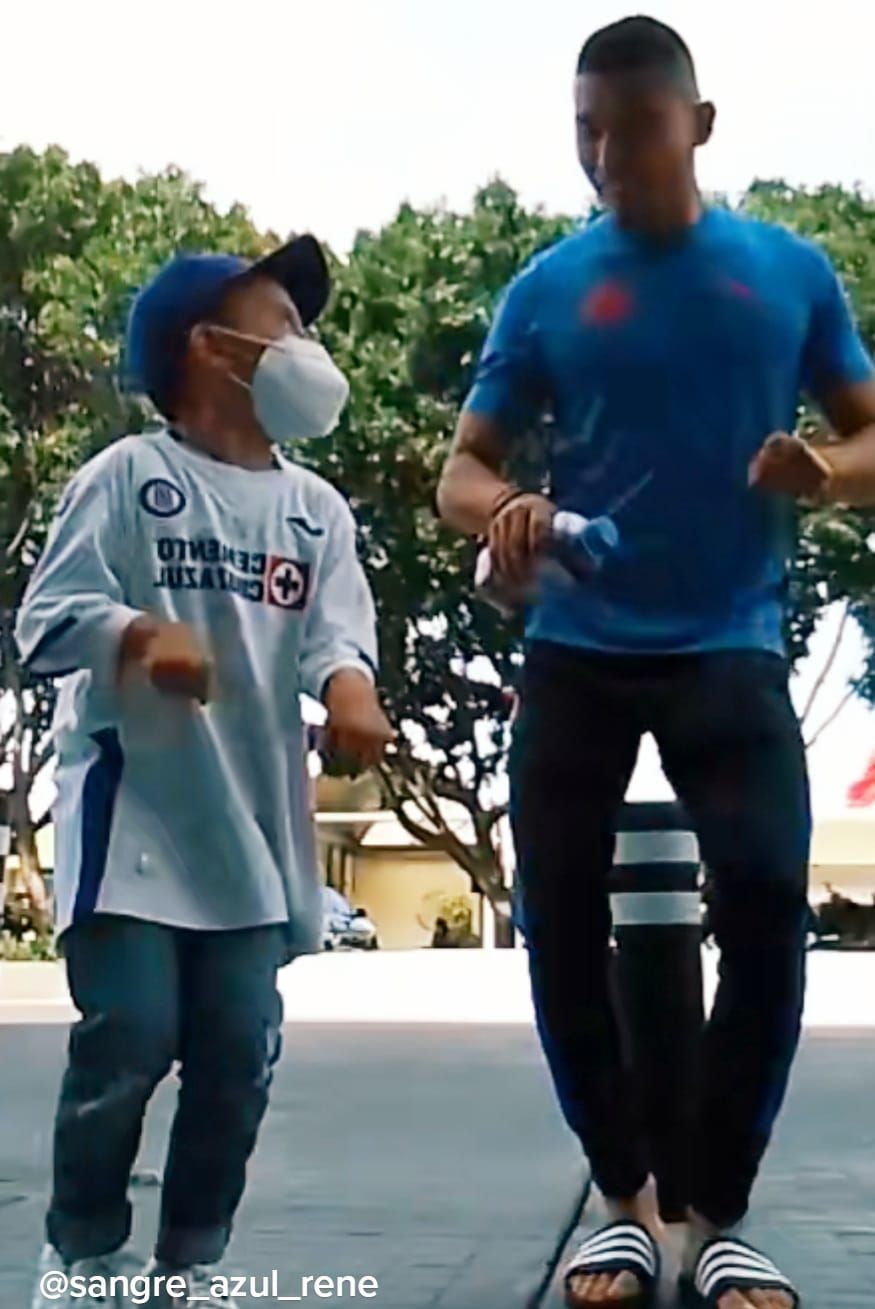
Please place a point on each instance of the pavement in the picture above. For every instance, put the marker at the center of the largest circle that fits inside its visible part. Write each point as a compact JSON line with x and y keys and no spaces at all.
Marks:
{"x":431,"y":1157}
{"x":814,"y":1205}
{"x":419,"y":987}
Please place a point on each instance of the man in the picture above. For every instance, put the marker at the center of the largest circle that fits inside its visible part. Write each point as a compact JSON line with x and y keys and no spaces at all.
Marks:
{"x":670,"y":340}
{"x":194,"y":582}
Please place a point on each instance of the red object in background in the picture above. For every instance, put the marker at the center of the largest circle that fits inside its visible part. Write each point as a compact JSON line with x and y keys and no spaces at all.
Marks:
{"x":862,"y":792}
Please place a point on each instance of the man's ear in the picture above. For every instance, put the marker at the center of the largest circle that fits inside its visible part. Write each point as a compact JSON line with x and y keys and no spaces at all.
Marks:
{"x":706,"y":115}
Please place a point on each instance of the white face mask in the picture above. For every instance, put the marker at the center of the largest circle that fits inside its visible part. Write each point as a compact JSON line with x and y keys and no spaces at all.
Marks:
{"x":297,"y":389}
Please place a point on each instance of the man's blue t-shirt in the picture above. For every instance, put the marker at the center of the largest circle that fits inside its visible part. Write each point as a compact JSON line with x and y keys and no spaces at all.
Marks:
{"x":676,"y":360}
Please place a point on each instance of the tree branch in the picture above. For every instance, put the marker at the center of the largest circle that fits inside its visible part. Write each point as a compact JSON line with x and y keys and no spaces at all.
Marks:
{"x":827,"y":666}
{"x":496,"y":815}
{"x":846,"y":698}
{"x":42,"y":758}
{"x":43,"y":820}
{"x":15,"y":544}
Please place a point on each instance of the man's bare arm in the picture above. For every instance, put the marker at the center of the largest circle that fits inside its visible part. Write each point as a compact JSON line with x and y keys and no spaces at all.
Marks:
{"x":851,"y":412}
{"x":838,"y":472}
{"x":473,"y":482}
{"x":476,"y":497}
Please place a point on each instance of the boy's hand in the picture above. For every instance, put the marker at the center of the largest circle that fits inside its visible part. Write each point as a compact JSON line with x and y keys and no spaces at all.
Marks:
{"x":170,"y":656}
{"x":357,"y":731}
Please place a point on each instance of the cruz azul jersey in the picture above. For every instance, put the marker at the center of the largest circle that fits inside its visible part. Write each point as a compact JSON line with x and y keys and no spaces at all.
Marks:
{"x":193,"y":816}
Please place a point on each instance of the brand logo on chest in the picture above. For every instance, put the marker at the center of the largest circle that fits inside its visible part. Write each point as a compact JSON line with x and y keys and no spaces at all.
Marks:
{"x":161,"y":498}
{"x":288,"y":582}
{"x":607,"y":305}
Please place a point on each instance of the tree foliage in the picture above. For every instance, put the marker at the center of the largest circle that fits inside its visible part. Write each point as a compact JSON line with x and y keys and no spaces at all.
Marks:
{"x":411,"y":308}
{"x":834,"y":563}
{"x":73,"y":249}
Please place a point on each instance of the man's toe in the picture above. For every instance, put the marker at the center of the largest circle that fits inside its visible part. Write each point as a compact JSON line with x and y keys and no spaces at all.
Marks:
{"x":735,"y":1300}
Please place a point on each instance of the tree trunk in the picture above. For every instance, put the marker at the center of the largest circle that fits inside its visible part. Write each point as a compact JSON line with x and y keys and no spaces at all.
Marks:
{"x":29,"y":876}
{"x":504,"y":932}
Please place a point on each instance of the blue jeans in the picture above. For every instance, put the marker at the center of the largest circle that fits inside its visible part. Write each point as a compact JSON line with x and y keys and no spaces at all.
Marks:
{"x":731,"y":748}
{"x":150,"y":996}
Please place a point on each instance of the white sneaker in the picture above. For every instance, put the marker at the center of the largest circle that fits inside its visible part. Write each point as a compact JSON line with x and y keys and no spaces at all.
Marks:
{"x":55,"y":1287}
{"x":199,"y":1283}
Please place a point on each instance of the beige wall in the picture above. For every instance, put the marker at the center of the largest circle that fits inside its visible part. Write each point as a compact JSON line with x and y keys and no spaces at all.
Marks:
{"x":400,"y":887}
{"x":854,"y":880}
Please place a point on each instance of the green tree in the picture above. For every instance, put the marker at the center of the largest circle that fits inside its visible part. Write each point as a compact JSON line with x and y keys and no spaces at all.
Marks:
{"x":412,"y":306}
{"x":834,"y":564}
{"x":410,"y":312}
{"x":73,"y":247}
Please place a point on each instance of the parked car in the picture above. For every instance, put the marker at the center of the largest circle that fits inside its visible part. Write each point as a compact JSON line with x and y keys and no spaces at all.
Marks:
{"x":345,"y":928}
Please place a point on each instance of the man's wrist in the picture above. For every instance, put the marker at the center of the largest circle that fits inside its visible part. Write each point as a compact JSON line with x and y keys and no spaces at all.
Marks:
{"x":828,"y":492}
{"x":506,"y":496}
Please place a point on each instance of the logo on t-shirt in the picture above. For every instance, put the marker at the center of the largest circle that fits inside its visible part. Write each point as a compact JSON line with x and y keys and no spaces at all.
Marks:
{"x":288,"y":581}
{"x":161,"y":498}
{"x":607,"y":304}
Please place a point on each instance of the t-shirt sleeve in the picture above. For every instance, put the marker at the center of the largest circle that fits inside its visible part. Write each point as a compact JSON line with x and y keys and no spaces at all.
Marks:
{"x":834,"y":351}
{"x":509,"y":384}
{"x":74,"y":611}
{"x":341,"y":629}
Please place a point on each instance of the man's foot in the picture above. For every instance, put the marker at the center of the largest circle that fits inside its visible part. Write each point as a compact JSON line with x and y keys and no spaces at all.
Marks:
{"x":717,"y":1270}
{"x":204,"y":1287}
{"x":57,"y":1289}
{"x":585,"y":1289}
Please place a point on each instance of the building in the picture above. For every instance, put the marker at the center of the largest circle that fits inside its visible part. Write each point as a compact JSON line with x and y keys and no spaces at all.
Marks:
{"x":367,"y":855}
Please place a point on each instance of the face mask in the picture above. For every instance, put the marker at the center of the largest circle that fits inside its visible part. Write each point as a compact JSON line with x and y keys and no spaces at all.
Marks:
{"x":297,"y":389}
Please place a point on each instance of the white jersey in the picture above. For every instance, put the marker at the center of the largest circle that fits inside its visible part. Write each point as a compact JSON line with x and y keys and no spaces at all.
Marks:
{"x":189,"y":815}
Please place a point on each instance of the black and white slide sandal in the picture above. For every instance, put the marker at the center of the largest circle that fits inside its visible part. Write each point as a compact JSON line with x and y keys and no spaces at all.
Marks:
{"x":620,"y":1247}
{"x":726,"y":1264}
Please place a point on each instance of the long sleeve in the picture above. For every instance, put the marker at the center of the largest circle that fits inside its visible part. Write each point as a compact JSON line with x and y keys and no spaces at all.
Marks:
{"x":74,"y":611}
{"x":341,"y":625}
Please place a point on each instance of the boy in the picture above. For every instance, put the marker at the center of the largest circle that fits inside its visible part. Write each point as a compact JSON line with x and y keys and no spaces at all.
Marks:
{"x":194,"y":583}
{"x":669,"y":339}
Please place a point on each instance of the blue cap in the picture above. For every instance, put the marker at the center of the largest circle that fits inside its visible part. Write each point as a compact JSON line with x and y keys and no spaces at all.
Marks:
{"x":190,"y":287}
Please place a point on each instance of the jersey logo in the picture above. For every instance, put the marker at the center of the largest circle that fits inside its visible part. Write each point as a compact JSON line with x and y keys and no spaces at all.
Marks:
{"x":312,"y":529}
{"x":161,"y":498}
{"x":288,"y":582}
{"x":739,"y":290}
{"x":607,"y":304}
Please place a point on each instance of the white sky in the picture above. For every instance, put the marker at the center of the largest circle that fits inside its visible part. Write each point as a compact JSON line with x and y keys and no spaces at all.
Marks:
{"x":327,"y":114}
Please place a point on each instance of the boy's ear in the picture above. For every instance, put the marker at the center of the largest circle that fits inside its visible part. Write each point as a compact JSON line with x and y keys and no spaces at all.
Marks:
{"x":208,"y":347}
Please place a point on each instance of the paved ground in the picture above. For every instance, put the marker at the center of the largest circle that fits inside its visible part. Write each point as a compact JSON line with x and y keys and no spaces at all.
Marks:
{"x":433,"y":1159}
{"x":394,"y":1153}
{"x":476,"y":987}
{"x":815,"y":1203}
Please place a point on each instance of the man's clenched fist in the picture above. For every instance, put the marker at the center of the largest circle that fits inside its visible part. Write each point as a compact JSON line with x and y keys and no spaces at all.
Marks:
{"x":787,"y":465}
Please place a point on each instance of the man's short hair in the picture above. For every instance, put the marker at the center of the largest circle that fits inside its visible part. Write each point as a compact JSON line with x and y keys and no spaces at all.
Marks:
{"x":640,"y":45}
